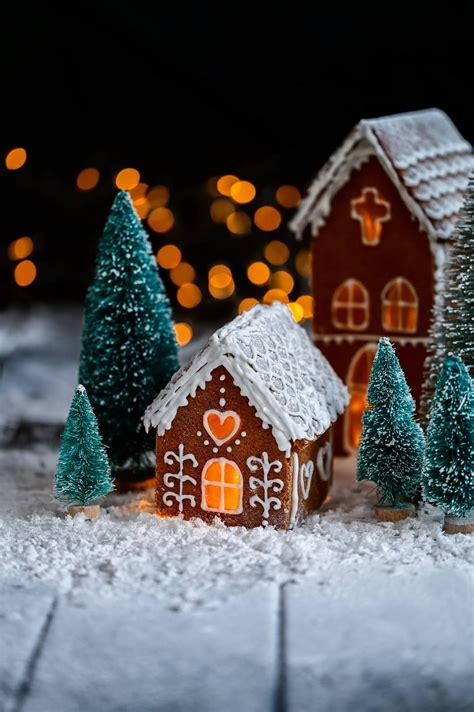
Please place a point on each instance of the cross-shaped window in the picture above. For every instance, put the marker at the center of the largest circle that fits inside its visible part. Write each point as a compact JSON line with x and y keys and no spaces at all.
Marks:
{"x":371,"y":210}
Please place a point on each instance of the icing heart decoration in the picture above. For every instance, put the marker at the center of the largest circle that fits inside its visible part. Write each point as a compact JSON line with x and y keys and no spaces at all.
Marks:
{"x":306,"y":476}
{"x":323,"y":462}
{"x":221,"y":426}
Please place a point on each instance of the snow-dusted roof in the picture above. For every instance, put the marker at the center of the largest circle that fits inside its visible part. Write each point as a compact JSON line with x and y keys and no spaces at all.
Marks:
{"x":273,"y":362}
{"x":422,"y":152}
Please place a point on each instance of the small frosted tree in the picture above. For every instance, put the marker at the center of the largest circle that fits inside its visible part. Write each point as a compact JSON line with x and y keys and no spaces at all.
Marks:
{"x":83,"y":472}
{"x":129,"y":349}
{"x":453,"y":314}
{"x":448,"y":472}
{"x":391,"y":445}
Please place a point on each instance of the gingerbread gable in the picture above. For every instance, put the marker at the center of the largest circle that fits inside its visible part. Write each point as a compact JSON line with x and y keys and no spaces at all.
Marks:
{"x":424,"y":155}
{"x":283,"y":375}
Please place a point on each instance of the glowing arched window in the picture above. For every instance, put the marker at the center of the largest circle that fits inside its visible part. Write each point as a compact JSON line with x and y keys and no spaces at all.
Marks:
{"x":371,"y":210}
{"x":350,"y":306}
{"x":357,"y":381}
{"x":400,"y":306}
{"x":221,"y":486}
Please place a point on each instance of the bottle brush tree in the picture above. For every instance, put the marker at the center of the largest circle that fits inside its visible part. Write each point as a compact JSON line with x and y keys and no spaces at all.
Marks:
{"x":391,"y":445}
{"x":448,"y":472}
{"x":83,"y":472}
{"x":129,"y":350}
{"x":451,"y":328}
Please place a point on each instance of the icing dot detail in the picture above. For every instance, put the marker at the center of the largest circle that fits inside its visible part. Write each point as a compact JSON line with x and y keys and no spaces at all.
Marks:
{"x":199,"y":433}
{"x":214,"y":449}
{"x":221,"y":390}
{"x":222,"y":402}
{"x":222,"y":378}
{"x":237,"y":442}
{"x":206,"y":442}
{"x":229,"y":449}
{"x":244,"y":434}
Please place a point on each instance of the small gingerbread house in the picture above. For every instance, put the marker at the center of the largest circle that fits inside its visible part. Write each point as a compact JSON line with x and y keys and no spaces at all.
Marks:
{"x":380,"y":214}
{"x":244,"y":430}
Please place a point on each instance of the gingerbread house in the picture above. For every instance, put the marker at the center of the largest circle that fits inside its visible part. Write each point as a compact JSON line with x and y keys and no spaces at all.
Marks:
{"x":244,"y":430}
{"x":380,"y":214}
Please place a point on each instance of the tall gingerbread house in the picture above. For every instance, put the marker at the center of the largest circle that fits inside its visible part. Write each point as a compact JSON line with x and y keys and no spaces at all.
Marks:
{"x":244,"y":431}
{"x":380,"y":214}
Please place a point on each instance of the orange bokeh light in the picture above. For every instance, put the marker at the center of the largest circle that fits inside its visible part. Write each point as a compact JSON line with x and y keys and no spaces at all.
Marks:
{"x":158,"y":196}
{"x":288,"y":196}
{"x":221,"y":209}
{"x":183,"y":332}
{"x":127,"y":179}
{"x":189,"y":295}
{"x":239,"y":223}
{"x":20,"y":248}
{"x":258,"y":273}
{"x":182,"y":273}
{"x":15,"y":159}
{"x":276,"y":252}
{"x":267,"y":218}
{"x":168,"y":256}
{"x":275,"y":295}
{"x":225,"y":183}
{"x":87,"y":179}
{"x":242,"y":191}
{"x":25,"y":273}
{"x":282,"y":280}
{"x":306,"y":301}
{"x":221,"y":292}
{"x":303,"y":263}
{"x":296,"y":310}
{"x":161,"y":220}
{"x":247,"y":303}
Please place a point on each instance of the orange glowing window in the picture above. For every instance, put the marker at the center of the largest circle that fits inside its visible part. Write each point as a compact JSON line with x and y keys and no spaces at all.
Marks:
{"x":221,"y":487}
{"x":357,"y":382}
{"x":400,"y":306}
{"x":371,"y":210}
{"x":350,"y":306}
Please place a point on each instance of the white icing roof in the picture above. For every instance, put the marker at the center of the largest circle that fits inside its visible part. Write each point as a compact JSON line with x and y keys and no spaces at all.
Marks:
{"x":275,"y":365}
{"x":423,"y":153}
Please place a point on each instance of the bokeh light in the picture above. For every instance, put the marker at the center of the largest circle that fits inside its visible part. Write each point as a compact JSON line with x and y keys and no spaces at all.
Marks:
{"x":25,"y":273}
{"x":220,"y":277}
{"x":211,"y":187}
{"x":267,"y":218}
{"x":296,"y":310}
{"x":247,"y":303}
{"x":225,"y":183}
{"x":258,"y":273}
{"x":168,"y":256}
{"x":142,"y":206}
{"x":221,"y":292}
{"x":303,"y":263}
{"x":127,"y":179}
{"x":239,"y":223}
{"x":20,"y":248}
{"x":288,"y":196}
{"x":189,"y":295}
{"x":15,"y":159}
{"x":161,"y":220}
{"x":242,"y":191}
{"x":158,"y":196}
{"x":275,"y":295}
{"x":182,"y":273}
{"x":282,"y":280}
{"x":306,"y":302}
{"x":220,"y":209}
{"x":87,"y":179}
{"x":276,"y":252}
{"x":184,"y":333}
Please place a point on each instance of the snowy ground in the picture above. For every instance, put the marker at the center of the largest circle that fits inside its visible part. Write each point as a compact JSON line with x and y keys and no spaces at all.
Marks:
{"x":134,"y":613}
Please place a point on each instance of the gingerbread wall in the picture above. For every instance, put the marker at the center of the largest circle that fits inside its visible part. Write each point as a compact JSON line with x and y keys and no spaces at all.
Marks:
{"x":339,"y":253}
{"x":188,"y":430}
{"x":314,"y":473}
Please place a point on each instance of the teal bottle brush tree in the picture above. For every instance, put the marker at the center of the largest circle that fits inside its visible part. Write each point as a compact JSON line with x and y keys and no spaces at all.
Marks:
{"x":129,"y":350}
{"x":392,"y":444}
{"x":83,"y":472}
{"x":448,"y":472}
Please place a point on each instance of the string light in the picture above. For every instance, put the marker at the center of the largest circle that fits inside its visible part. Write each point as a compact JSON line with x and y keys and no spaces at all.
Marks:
{"x":189,"y":295}
{"x":25,"y":273}
{"x":288,"y":196}
{"x":258,"y":273}
{"x":127,"y":179}
{"x":306,"y":302}
{"x":168,"y":256}
{"x":267,"y":218}
{"x":247,"y":303}
{"x":221,"y":293}
{"x":87,"y":179}
{"x":20,"y":248}
{"x":276,"y":252}
{"x":239,"y":223}
{"x":220,"y":277}
{"x":296,"y":310}
{"x":221,"y":209}
{"x":242,"y":191}
{"x":158,"y":196}
{"x":161,"y":220}
{"x":225,"y":183}
{"x":219,"y":269}
{"x":15,"y":159}
{"x":282,"y":280}
{"x":303,"y":263}
{"x":182,"y":273}
{"x":184,"y":333}
{"x":275,"y":295}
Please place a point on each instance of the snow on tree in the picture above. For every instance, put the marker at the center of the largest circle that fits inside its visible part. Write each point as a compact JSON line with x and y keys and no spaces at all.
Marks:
{"x":448,"y":472}
{"x":83,"y":472}
{"x":453,"y":317}
{"x":391,"y":445}
{"x":129,"y":350}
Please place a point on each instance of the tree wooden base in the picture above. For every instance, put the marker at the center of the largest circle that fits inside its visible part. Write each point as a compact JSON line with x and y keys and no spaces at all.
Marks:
{"x":394,"y":514}
{"x":91,"y":511}
{"x":459,"y":525}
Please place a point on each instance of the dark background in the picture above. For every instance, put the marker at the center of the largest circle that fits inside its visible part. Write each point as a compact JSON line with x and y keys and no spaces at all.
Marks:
{"x":185,"y":91}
